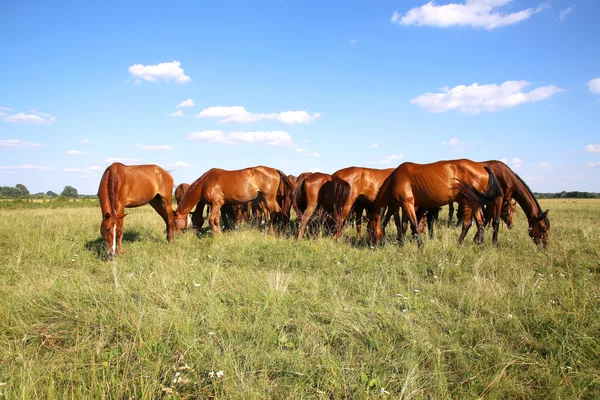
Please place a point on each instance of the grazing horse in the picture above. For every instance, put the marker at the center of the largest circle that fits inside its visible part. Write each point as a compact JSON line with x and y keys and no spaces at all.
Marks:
{"x":180,"y":191}
{"x":313,"y":191}
{"x":358,"y":187}
{"x":124,"y":186}
{"x":515,"y":188}
{"x":430,"y":186}
{"x":218,"y":187}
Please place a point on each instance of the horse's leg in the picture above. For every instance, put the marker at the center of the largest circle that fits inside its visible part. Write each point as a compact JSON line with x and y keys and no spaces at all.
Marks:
{"x":480,"y":224}
{"x":497,"y":210}
{"x":409,"y":209}
{"x":392,"y":210}
{"x":119,"y":232}
{"x":460,"y":214}
{"x":450,"y":213}
{"x":272,"y":210}
{"x":215,"y":219}
{"x":432,"y":215}
{"x":358,"y":213}
{"x":306,"y":215}
{"x":340,"y":217}
{"x":166,"y":212}
{"x":467,"y":220}
{"x":198,"y":217}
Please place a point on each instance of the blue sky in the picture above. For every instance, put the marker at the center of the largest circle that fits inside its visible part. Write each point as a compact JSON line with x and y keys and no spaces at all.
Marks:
{"x":298,"y":85}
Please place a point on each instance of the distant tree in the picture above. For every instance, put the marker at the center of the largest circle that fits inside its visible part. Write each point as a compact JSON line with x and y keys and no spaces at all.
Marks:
{"x":23,"y":191}
{"x":51,"y":193}
{"x":69,"y":191}
{"x":9,"y":191}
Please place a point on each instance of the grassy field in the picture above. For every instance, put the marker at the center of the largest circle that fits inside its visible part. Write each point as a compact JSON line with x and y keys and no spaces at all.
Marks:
{"x":248,"y":316}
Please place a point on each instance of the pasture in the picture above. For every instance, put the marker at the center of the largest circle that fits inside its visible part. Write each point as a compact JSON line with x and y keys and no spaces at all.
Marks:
{"x":247,"y":315}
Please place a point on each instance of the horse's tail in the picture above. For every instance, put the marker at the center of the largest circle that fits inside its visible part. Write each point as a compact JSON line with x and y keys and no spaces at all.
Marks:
{"x":341,"y":192}
{"x":288,"y":187}
{"x":298,"y":194}
{"x":474,"y":196}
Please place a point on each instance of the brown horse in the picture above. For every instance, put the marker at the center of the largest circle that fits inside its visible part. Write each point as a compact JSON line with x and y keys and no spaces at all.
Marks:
{"x":358,"y":187}
{"x":180,"y":191}
{"x":430,"y":186}
{"x":217,"y":187}
{"x":124,"y":186}
{"x":515,"y":188}
{"x":313,"y":192}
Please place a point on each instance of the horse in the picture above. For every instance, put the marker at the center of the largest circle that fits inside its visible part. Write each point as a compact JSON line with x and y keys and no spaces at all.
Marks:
{"x":218,"y":186}
{"x":430,"y":186}
{"x":358,"y":187}
{"x":313,"y":190}
{"x":125,"y":186}
{"x":180,"y":191}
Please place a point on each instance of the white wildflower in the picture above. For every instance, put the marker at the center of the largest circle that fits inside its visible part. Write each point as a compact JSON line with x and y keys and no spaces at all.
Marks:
{"x":196,"y":284}
{"x":417,"y":291}
{"x":211,"y":374}
{"x":509,"y":316}
{"x":383,"y":391}
{"x":220,"y":374}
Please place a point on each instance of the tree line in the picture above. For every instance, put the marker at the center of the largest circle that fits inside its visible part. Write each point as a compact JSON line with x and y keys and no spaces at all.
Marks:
{"x":21,"y":191}
{"x":568,"y":195}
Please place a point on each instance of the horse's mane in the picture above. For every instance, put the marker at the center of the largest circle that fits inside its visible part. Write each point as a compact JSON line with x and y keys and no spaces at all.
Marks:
{"x":113,"y":185}
{"x":192,"y":187}
{"x":540,"y":212}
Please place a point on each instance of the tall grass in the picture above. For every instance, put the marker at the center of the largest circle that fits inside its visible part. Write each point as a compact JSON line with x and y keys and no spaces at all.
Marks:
{"x":247,"y":315}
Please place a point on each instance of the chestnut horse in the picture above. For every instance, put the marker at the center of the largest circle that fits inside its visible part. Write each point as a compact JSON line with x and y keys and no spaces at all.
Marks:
{"x":218,"y":186}
{"x":180,"y":191}
{"x":358,"y":187}
{"x":313,"y":191}
{"x":124,"y":186}
{"x":430,"y":186}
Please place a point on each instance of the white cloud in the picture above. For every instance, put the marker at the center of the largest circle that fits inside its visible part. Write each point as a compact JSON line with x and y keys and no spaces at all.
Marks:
{"x":544,"y":166}
{"x":77,"y":153}
{"x":16,"y":143}
{"x":177,"y":113}
{"x":5,"y":109}
{"x":121,"y":160}
{"x":452,"y":142}
{"x":94,"y":168}
{"x":477,"y":98}
{"x":71,"y":170}
{"x":594,"y":164}
{"x":373,"y":146}
{"x":592,"y":148}
{"x":240,"y":114}
{"x":167,"y":71}
{"x":179,"y":164}
{"x":353,"y":41}
{"x":84,"y":141}
{"x":300,"y":149}
{"x":516,"y":163}
{"x":272,"y":138}
{"x":33,"y":117}
{"x":485,"y":14}
{"x":186,"y":103}
{"x":25,"y":167}
{"x":564,"y":13}
{"x":163,"y":147}
{"x":594,"y":85}
{"x":314,"y":154}
{"x":387,"y":159}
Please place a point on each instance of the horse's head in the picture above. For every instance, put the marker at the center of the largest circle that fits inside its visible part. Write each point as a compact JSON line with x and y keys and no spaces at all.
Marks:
{"x":508,"y":213}
{"x":538,"y":229}
{"x":180,"y":221}
{"x":108,"y":230}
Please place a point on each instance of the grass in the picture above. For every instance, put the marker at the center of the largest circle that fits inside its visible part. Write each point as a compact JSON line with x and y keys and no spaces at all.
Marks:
{"x":280,"y":319}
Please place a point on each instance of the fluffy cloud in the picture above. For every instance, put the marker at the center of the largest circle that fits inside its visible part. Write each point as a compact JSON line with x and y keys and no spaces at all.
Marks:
{"x":564,"y":13}
{"x":314,"y":154}
{"x":387,"y":159}
{"x":477,"y":98}
{"x":186,"y":103}
{"x":16,"y":143}
{"x":373,"y":146}
{"x":594,"y":85}
{"x":163,"y":147}
{"x":87,"y":170}
{"x":452,"y":142}
{"x":177,"y":113}
{"x":515,"y":163}
{"x":353,"y":41}
{"x":240,"y":114}
{"x":84,"y":141}
{"x":77,"y":153}
{"x":168,"y":71}
{"x":272,"y":138}
{"x":33,"y":117}
{"x":474,"y":13}
{"x":594,"y":164}
{"x":592,"y":148}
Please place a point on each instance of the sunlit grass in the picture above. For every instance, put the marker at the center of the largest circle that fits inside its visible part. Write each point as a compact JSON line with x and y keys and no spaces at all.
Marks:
{"x":281,"y":319}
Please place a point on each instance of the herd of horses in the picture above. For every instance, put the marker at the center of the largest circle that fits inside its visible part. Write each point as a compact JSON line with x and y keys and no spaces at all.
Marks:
{"x":485,"y":192}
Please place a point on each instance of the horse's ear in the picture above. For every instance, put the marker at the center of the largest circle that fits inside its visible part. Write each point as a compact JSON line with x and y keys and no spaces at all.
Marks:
{"x":175,"y":213}
{"x":121,"y":216}
{"x":544,"y":214}
{"x":106,"y":216}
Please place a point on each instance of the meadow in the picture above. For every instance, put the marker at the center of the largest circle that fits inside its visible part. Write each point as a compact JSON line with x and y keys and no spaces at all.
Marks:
{"x":247,"y":315}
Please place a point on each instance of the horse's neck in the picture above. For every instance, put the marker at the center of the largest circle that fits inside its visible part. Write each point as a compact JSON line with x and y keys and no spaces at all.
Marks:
{"x":104,"y":197}
{"x":192,"y":197}
{"x":525,"y":199}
